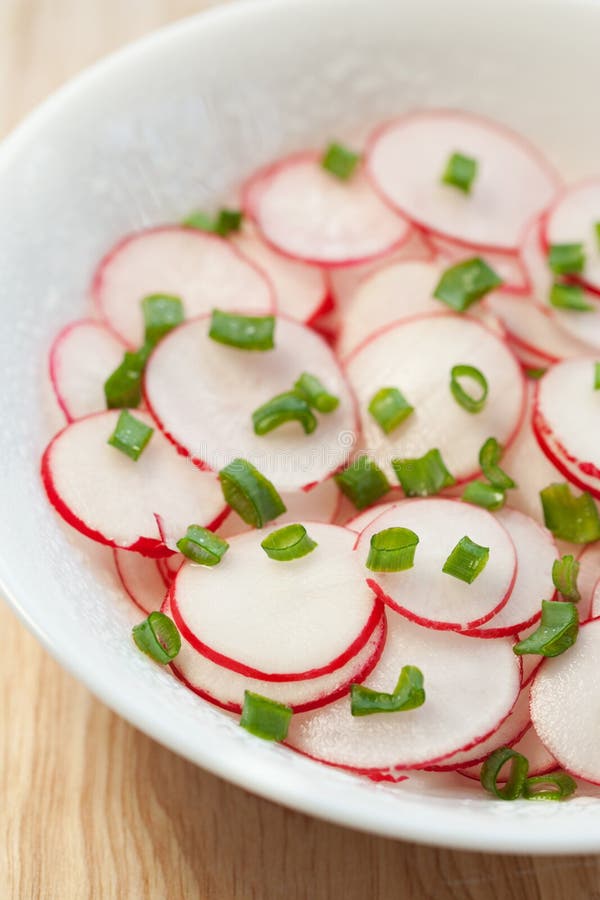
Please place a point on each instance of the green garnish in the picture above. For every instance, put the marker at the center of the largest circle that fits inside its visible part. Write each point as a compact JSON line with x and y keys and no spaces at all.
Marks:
{"x":408,"y":694}
{"x":158,"y":638}
{"x":289,"y":542}
{"x":467,"y":560}
{"x":392,"y":550}
{"x":131,"y":435}
{"x":224,"y":223}
{"x":597,"y":232}
{"x":389,"y":408}
{"x":564,"y":577}
{"x":535,"y":374}
{"x":472,"y":404}
{"x":362,"y":482}
{"x":316,"y":394}
{"x":463,"y":284}
{"x":564,"y":786}
{"x":250,"y":494}
{"x":423,"y":476}
{"x":519,"y":767}
{"x":264,"y":718}
{"x":340,"y":161}
{"x":489,"y":457}
{"x":123,"y":388}
{"x":569,"y":296}
{"x":557,"y":631}
{"x":162,"y":313}
{"x":568,"y":517}
{"x":287,"y":407}
{"x":566,"y":259}
{"x":244,"y":332}
{"x":480,"y":493}
{"x":460,"y":172}
{"x":202,"y":546}
{"x":596,"y":376}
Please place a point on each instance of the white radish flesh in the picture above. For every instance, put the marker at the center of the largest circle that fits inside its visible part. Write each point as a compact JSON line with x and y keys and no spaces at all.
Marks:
{"x":529,"y":745}
{"x":588,"y":582}
{"x":508,"y":266}
{"x":572,"y":220}
{"x":533,"y":329}
{"x":141,"y":579}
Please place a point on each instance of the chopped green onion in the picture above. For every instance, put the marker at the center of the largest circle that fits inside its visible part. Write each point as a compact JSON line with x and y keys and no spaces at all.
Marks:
{"x":362,"y":482}
{"x":467,"y":560}
{"x":392,"y":550}
{"x":162,"y":313}
{"x":202,"y":546}
{"x":245,"y":332}
{"x":264,"y":718}
{"x":564,"y":786}
{"x":340,"y":161}
{"x":596,"y":376}
{"x":597,"y":231}
{"x":536,"y":374}
{"x":463,"y":284}
{"x":287,"y":407}
{"x":489,"y":457}
{"x":250,"y":494}
{"x":226,"y":221}
{"x":556,"y":632}
{"x":408,"y":694}
{"x":289,"y":542}
{"x":468,"y":402}
{"x":480,"y":493}
{"x":460,"y":172}
{"x":564,"y":577}
{"x":423,"y":476}
{"x":123,"y":388}
{"x":519,"y":767}
{"x":316,"y":394}
{"x":568,"y":517}
{"x":569,"y":296}
{"x":130,"y":435}
{"x":566,"y":259}
{"x":389,"y":408}
{"x":158,"y":638}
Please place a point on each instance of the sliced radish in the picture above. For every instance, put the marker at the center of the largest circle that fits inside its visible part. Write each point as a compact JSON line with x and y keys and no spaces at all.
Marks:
{"x":203,"y":395}
{"x":141,"y":579}
{"x":309,"y":214}
{"x":359,"y":522}
{"x":531,"y":662}
{"x":565,"y":704}
{"x":204,"y":270}
{"x":533,"y":329}
{"x":302,"y":291}
{"x":112,"y":499}
{"x":407,"y":157}
{"x":508,"y":266}
{"x":225,"y":687}
{"x":278,"y":621}
{"x":536,"y":553}
{"x":588,"y":582}
{"x":82,"y":357}
{"x":416,"y":357}
{"x":529,"y":745}
{"x":461,"y":674}
{"x":171,"y":565}
{"x":572,"y":220}
{"x":424,"y":593}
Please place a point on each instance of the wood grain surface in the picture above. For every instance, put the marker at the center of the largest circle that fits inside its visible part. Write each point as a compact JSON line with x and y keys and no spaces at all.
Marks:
{"x":91,"y":808}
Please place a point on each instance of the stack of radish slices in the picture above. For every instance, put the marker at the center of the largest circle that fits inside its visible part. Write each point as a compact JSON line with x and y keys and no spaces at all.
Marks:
{"x":342,"y":445}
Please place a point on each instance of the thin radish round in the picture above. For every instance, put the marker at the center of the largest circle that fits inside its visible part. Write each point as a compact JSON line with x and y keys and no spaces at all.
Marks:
{"x":82,"y":357}
{"x":204,"y":270}
{"x":533,"y":328}
{"x":565,"y":704}
{"x":572,"y":220}
{"x":141,"y":579}
{"x":531,"y":662}
{"x":508,"y":266}
{"x":112,"y":499}
{"x":225,"y":687}
{"x":309,"y":214}
{"x":231,"y":384}
{"x":358,"y":523}
{"x":424,"y":593}
{"x":417,"y":357}
{"x":536,"y":553}
{"x":470,"y":688}
{"x":588,"y":582}
{"x":273,"y":620}
{"x":407,"y":158}
{"x":529,"y":745}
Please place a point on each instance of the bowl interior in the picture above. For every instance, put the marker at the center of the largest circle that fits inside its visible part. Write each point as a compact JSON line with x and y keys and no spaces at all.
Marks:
{"x":171,"y":124}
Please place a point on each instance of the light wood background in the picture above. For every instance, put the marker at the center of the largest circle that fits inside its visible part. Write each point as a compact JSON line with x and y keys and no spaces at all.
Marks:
{"x":89,"y":807}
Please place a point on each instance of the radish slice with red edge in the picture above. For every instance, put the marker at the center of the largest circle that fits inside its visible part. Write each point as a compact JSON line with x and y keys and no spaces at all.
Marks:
{"x":141,"y":578}
{"x":407,"y":157}
{"x":232,"y":383}
{"x":572,"y":220}
{"x":470,"y":687}
{"x":273,"y":620}
{"x":565,"y":704}
{"x":309,"y":214}
{"x":417,"y":357}
{"x":112,"y":499}
{"x":529,"y":745}
{"x":424,"y":593}
{"x":204,"y":270}
{"x":82,"y":357}
{"x":533,"y":329}
{"x":588,"y":582}
{"x":509,"y":267}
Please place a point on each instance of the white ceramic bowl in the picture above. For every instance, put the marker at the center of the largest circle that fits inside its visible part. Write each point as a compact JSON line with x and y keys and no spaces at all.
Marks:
{"x":170,"y":124}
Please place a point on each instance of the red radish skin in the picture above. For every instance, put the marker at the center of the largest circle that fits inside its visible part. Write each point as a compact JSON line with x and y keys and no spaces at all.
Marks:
{"x":588,"y":582}
{"x":529,"y":745}
{"x":204,"y":270}
{"x":141,"y":579}
{"x":572,"y":219}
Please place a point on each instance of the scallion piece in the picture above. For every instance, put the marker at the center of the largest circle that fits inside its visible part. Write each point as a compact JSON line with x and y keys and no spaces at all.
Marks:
{"x":289,"y":542}
{"x":202,"y":546}
{"x":225,"y":222}
{"x":424,"y":475}
{"x":563,"y":786}
{"x":597,"y":232}
{"x":557,"y":630}
{"x":158,"y":638}
{"x":123,"y":388}
{"x":460,"y":172}
{"x":264,"y":718}
{"x":389,"y":408}
{"x":535,"y":374}
{"x":130,"y":436}
{"x":316,"y":394}
{"x":569,"y":296}
{"x":568,"y":517}
{"x":467,"y":560}
{"x":288,"y":407}
{"x":472,"y":404}
{"x":564,"y":577}
{"x":340,"y":161}
{"x":489,"y":457}
{"x":408,"y":694}
{"x":244,"y":332}
{"x":162,"y":313}
{"x":250,"y":494}
{"x":362,"y":482}
{"x":392,"y":550}
{"x":480,"y":493}
{"x":463,"y":284}
{"x":566,"y":259}
{"x":596,"y":376}
{"x":519,"y":767}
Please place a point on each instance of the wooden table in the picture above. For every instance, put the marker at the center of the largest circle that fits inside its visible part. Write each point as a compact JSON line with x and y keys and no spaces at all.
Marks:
{"x":90,"y":807}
